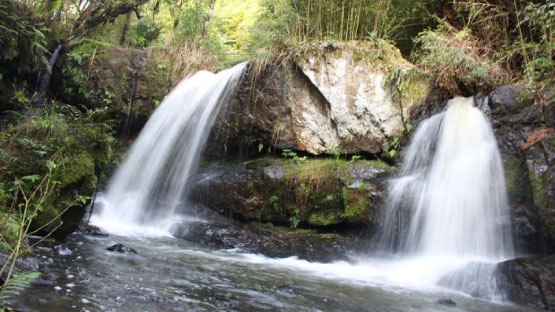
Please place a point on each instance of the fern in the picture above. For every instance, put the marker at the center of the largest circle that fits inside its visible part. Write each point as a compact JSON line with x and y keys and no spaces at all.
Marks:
{"x":17,"y":283}
{"x":53,"y":5}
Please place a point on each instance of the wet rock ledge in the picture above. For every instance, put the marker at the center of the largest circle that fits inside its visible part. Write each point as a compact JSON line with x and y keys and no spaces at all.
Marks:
{"x":307,"y":193}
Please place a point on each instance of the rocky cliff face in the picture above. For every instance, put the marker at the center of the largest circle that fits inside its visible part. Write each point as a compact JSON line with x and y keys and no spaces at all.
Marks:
{"x":348,"y":99}
{"x":525,"y":132}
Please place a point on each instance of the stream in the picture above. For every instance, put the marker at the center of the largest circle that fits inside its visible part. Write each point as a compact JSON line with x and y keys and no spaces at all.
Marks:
{"x":169,"y":274}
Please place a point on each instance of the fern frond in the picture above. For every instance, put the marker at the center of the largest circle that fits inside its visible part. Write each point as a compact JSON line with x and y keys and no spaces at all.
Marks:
{"x":17,"y":283}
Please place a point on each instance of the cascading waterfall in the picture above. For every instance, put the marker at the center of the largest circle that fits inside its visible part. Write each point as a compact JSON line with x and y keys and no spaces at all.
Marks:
{"x":445,"y":223}
{"x":448,"y":203}
{"x":151,"y":184}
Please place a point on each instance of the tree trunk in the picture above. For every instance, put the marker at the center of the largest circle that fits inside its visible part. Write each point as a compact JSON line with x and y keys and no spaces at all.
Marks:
{"x":207,"y":22}
{"x":125,"y":29}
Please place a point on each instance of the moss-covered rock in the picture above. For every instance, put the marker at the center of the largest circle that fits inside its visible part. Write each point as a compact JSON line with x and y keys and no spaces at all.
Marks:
{"x":128,"y":83}
{"x":303,"y":192}
{"x":52,"y":160}
{"x":540,"y":159}
{"x":524,"y":129}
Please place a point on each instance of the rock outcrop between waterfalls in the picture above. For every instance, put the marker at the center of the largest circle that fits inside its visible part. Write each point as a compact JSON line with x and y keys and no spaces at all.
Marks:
{"x":309,"y":193}
{"x":348,"y":99}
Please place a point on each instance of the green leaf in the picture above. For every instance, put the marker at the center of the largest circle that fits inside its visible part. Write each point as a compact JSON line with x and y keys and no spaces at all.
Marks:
{"x":51,"y":165}
{"x":83,"y":199}
{"x":31,"y":178}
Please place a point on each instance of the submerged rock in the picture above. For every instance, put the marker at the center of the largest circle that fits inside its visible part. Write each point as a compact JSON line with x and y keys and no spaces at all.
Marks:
{"x":121,"y":249}
{"x":529,"y":281}
{"x":447,"y":302}
{"x":272,"y":241}
{"x":22,"y":265}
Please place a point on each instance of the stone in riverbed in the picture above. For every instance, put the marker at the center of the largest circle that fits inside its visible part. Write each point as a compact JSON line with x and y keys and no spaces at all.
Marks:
{"x":121,"y":249}
{"x":529,"y":281}
{"x":447,"y":302}
{"x":272,"y":241}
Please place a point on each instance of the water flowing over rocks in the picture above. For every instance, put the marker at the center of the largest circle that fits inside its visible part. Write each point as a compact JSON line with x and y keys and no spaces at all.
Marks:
{"x":344,"y":99}
{"x":524,"y":128}
{"x":272,"y":241}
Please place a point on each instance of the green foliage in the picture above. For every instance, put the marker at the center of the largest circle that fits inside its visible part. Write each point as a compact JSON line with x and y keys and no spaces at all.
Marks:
{"x":457,"y":60}
{"x":17,"y":283}
{"x":275,"y":25}
{"x":295,"y":218}
{"x":60,"y":142}
{"x":287,"y":153}
{"x":516,"y":35}
{"x":391,"y":148}
{"x":22,"y":35}
{"x":541,"y":65}
{"x":319,"y":20}
{"x":191,"y":21}
{"x":143,"y":32}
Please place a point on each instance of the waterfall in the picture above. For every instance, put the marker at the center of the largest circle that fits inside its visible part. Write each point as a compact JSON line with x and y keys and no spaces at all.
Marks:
{"x":448,"y":200}
{"x":45,"y":80}
{"x":151,"y":184}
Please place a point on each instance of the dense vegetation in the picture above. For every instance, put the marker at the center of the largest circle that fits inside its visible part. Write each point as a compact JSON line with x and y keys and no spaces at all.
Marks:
{"x":56,"y":138}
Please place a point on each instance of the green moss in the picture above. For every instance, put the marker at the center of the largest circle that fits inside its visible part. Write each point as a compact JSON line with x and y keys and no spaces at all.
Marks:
{"x":538,"y":189}
{"x":314,"y":192}
{"x":55,"y":155}
{"x":75,"y":169}
{"x":357,"y":203}
{"x":324,"y":218}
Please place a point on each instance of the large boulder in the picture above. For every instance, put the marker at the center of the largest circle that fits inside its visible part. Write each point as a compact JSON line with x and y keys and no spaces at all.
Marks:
{"x":310,"y":193}
{"x":346,"y":98}
{"x":529,"y":281}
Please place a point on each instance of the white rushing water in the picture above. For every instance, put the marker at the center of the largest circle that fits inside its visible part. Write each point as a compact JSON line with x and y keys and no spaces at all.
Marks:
{"x":143,"y":195}
{"x":447,"y":208}
{"x":445,"y":223}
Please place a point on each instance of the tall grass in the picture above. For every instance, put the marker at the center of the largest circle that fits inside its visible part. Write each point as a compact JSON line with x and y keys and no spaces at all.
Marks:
{"x":358,"y":19}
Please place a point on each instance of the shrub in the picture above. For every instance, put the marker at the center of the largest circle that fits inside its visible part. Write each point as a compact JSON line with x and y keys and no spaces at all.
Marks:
{"x":143,"y":32}
{"x":460,"y":62}
{"x":520,"y":34}
{"x":53,"y":153}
